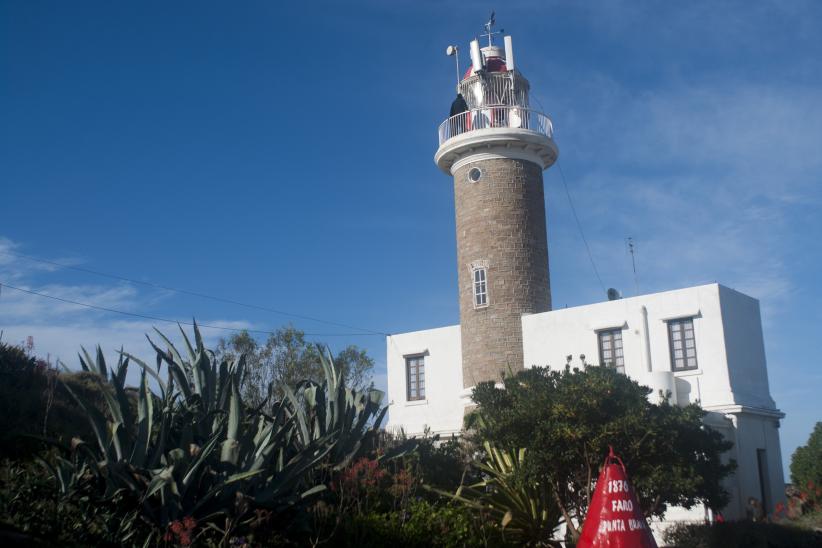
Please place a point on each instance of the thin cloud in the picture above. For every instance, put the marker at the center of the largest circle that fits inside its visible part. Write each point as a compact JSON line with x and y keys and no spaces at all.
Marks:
{"x":59,"y":329}
{"x":706,"y":179}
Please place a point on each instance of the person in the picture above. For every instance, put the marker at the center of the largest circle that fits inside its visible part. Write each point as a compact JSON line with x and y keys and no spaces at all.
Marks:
{"x":460,"y":124}
{"x":458,"y":106}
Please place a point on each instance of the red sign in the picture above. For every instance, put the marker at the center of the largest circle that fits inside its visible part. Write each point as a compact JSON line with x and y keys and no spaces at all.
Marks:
{"x":614,"y":518}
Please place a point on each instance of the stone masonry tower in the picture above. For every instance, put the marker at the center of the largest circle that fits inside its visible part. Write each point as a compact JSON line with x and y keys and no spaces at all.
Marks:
{"x":496,"y":148}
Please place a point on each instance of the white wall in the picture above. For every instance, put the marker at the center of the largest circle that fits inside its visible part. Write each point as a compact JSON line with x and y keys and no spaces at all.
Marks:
{"x":551,"y":336}
{"x":757,"y":431}
{"x":442,"y":410}
{"x":745,"y":349}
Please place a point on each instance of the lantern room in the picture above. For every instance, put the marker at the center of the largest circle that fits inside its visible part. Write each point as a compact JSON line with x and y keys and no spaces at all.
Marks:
{"x":493,"y":81}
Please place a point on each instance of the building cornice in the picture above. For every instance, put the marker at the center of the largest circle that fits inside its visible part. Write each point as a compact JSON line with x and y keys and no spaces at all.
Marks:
{"x":739,"y":409}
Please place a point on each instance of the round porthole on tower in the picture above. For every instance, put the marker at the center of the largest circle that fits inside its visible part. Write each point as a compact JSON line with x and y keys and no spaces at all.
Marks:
{"x":474,"y":174}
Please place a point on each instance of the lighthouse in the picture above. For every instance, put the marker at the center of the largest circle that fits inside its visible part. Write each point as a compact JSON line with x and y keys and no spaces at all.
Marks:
{"x":495,"y":146}
{"x":702,"y":344}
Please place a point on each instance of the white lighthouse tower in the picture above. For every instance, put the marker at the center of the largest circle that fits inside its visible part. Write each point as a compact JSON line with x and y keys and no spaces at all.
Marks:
{"x":496,"y":147}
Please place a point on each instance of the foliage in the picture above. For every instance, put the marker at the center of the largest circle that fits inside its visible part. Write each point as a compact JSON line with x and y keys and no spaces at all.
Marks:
{"x":34,"y":402}
{"x":567,"y":419}
{"x":442,"y":464}
{"x":806,"y":467}
{"x":356,"y":366}
{"x":33,"y":511}
{"x":24,"y":381}
{"x":741,"y":533}
{"x":194,"y":461}
{"x":438,"y":463}
{"x":423,"y":525}
{"x":286,"y":358}
{"x":15,"y":359}
{"x":522,"y":505}
{"x":811,"y":521}
{"x":380,"y":499}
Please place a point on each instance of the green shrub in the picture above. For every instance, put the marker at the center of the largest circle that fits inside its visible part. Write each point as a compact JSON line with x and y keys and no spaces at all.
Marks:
{"x":806,"y":469}
{"x":423,"y":525}
{"x":741,"y":534}
{"x":35,"y":402}
{"x":442,"y":464}
{"x":33,"y":513}
{"x":23,"y":385}
{"x":434,"y":462}
{"x":812,"y":521}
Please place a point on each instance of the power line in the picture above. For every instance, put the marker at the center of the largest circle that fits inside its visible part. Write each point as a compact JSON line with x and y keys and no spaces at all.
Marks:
{"x":190,"y":293}
{"x":167,"y":320}
{"x":576,"y":217}
{"x":579,"y":226}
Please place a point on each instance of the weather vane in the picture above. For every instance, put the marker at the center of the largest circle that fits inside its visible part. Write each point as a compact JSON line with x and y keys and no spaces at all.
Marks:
{"x":490,"y":33}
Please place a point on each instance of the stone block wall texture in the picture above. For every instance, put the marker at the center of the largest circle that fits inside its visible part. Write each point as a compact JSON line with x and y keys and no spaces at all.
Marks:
{"x":501,"y":220}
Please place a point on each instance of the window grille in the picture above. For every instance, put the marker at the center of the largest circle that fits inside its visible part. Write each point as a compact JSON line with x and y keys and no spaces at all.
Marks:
{"x":480,"y":288}
{"x":610,"y":349}
{"x":415,"y":377}
{"x":682,"y":343}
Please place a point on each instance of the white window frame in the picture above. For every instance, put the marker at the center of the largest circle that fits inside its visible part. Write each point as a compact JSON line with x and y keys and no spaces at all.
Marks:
{"x":479,"y":286}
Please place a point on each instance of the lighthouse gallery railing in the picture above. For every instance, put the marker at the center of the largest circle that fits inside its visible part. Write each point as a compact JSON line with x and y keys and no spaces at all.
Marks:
{"x":496,"y":117}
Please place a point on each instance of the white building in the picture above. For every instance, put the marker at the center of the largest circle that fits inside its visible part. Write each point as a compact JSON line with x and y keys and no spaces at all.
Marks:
{"x":702,"y":344}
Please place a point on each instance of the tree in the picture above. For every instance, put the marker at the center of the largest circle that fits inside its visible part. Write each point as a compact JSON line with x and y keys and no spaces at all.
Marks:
{"x":285,"y":358}
{"x":806,"y":462}
{"x":567,"y":419}
{"x":356,"y":366}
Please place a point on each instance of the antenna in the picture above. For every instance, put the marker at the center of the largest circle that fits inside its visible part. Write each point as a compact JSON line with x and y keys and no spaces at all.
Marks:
{"x":476,"y":56}
{"x":488,"y":32}
{"x":632,"y":250}
{"x":509,"y":53}
{"x":454,"y":50}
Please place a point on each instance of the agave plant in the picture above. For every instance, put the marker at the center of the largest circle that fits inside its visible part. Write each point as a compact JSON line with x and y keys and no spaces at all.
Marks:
{"x":524,"y":508}
{"x":187,"y":446}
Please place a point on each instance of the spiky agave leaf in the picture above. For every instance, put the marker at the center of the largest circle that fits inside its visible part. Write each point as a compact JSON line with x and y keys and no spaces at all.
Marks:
{"x":151,"y":371}
{"x":145,"y":423}
{"x":523,"y":508}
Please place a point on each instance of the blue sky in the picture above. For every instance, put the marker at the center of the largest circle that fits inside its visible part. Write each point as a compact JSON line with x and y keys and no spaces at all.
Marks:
{"x":282,"y":156}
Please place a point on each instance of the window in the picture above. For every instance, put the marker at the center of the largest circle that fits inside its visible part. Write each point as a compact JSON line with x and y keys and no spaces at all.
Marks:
{"x":610,"y":349}
{"x":480,"y":288}
{"x":683,"y":344}
{"x":415,"y":377}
